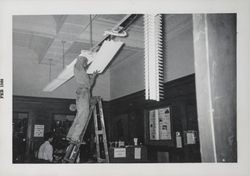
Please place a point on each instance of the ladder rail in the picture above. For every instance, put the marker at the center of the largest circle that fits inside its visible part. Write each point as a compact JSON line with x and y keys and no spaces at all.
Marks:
{"x":69,"y":157}
{"x":104,"y":131}
{"x":73,"y":149}
{"x":98,"y":152}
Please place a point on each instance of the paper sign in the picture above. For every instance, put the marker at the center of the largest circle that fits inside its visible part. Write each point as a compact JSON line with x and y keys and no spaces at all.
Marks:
{"x":178,"y":142}
{"x":190,"y":138}
{"x":38,"y":130}
{"x":137,"y":153}
{"x":164,"y":123}
{"x":160,"y":124}
{"x":119,"y":152}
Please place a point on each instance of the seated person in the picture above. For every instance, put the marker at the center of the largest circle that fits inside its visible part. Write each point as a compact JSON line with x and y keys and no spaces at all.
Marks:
{"x":45,"y":153}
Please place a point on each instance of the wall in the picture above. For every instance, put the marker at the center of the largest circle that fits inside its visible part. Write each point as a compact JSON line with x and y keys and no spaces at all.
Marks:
{"x":215,"y":65}
{"x":29,"y":78}
{"x":222,"y":43}
{"x":102,"y":86}
{"x":128,"y":77}
{"x":128,"y":112}
{"x":127,"y":117}
{"x":179,"y":60}
{"x":41,"y":111}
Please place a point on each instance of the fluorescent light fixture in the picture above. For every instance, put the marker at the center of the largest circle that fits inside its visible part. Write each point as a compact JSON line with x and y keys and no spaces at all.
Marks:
{"x":99,"y":61}
{"x":63,"y":77}
{"x":105,"y":54}
{"x":153,"y":63}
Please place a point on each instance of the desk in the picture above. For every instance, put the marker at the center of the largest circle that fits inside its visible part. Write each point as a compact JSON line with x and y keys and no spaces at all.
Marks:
{"x":128,"y":154}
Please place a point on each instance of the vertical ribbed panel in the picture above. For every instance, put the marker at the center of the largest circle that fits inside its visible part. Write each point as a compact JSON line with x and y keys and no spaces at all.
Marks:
{"x":146,"y":56}
{"x":153,"y":54}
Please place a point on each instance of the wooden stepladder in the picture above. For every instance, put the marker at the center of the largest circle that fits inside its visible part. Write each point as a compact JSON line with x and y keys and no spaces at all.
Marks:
{"x":102,"y":154}
{"x":100,"y":132}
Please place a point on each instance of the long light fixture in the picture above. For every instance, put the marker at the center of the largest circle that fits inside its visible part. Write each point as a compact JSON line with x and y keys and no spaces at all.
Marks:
{"x":100,"y":61}
{"x":50,"y":68}
{"x":63,"y":56}
{"x":105,"y":54}
{"x":107,"y":49}
{"x":153,"y":63}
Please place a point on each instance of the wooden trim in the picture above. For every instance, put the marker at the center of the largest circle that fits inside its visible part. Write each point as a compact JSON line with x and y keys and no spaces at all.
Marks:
{"x":36,"y":99}
{"x":180,"y":88}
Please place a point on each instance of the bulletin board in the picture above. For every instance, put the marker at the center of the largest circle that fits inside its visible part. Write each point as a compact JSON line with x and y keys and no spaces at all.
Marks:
{"x":158,"y":126}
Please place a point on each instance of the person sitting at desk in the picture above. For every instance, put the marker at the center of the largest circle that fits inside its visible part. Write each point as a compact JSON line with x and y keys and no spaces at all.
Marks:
{"x":45,"y":153}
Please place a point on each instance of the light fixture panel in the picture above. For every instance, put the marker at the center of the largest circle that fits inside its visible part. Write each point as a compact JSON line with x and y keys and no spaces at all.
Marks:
{"x":153,"y":57}
{"x":100,"y":61}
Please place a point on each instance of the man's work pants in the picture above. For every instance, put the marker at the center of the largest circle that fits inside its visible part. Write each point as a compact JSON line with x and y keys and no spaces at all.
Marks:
{"x":82,"y":105}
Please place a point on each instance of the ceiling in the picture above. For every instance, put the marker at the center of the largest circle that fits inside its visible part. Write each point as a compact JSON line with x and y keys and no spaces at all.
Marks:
{"x":50,"y":39}
{"x":53,"y":37}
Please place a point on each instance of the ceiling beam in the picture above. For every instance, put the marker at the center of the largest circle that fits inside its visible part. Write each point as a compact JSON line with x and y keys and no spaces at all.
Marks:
{"x":30,"y":32}
{"x":59,"y":20}
{"x":42,"y":55}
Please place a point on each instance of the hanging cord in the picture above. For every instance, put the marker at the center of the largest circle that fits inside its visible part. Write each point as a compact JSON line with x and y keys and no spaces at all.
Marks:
{"x":63,"y":42}
{"x":50,"y":69}
{"x":91,"y":31}
{"x":92,"y":19}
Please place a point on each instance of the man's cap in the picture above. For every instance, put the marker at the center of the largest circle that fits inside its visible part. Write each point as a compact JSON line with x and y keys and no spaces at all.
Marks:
{"x":88,"y":54}
{"x":83,"y":58}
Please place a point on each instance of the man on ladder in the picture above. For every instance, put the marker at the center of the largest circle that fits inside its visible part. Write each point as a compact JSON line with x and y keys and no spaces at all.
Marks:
{"x":84,"y":110}
{"x":83,"y":95}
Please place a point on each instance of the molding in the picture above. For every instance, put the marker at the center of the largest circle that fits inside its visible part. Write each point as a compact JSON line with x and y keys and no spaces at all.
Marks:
{"x":189,"y":79}
{"x":35,"y":99}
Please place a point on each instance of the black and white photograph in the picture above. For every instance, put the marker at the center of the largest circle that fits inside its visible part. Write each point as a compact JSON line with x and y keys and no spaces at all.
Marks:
{"x":143,"y":89}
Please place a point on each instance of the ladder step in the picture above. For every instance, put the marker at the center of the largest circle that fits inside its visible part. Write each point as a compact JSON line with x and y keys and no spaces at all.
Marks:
{"x":100,"y":160}
{"x":68,"y":160}
{"x":73,"y":149}
{"x":99,"y":132}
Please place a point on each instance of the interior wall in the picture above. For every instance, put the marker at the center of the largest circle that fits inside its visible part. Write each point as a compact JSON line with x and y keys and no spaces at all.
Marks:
{"x":29,"y":78}
{"x":179,"y":58}
{"x":222,"y":49}
{"x":127,"y":114}
{"x":215,"y":65}
{"x":128,"y":77}
{"x":40,"y":112}
{"x":102,"y":86}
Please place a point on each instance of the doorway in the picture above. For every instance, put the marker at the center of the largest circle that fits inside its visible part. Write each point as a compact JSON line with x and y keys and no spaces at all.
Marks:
{"x":19,"y":140}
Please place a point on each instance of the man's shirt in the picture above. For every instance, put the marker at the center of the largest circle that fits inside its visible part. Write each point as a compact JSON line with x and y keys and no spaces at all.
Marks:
{"x":81,"y":75}
{"x":46,"y":151}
